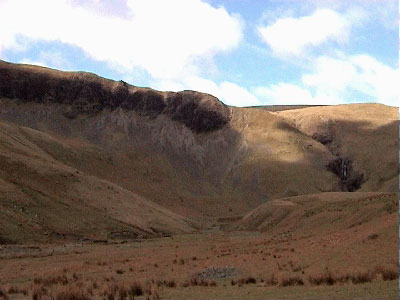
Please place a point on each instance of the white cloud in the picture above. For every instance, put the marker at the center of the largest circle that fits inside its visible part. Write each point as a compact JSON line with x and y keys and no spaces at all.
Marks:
{"x":330,"y":74}
{"x":28,"y":61}
{"x":174,"y":41}
{"x":236,"y":95}
{"x":165,"y":38}
{"x":384,"y":12}
{"x":361,"y":73}
{"x":284,"y":93}
{"x":292,"y":94}
{"x":228,"y":92}
{"x":55,"y":59}
{"x":335,"y":80}
{"x":377,"y":79}
{"x":289,"y":36}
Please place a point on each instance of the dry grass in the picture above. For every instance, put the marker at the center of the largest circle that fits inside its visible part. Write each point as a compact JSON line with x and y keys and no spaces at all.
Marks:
{"x":122,"y":293}
{"x":356,"y":278}
{"x":243,"y":281}
{"x":75,"y":288}
{"x":198,"y":282}
{"x":247,"y":280}
{"x":12,"y":289}
{"x":60,"y":292}
{"x":72,"y":294}
{"x":170,"y":283}
{"x":52,"y":280}
{"x":3,"y":294}
{"x":373,"y":236}
{"x":135,"y":289}
{"x":387,"y":273}
{"x":102,"y":283}
{"x":65,"y":288}
{"x":110,"y":291}
{"x":271,"y":280}
{"x":318,"y":279}
{"x":291,"y":280}
{"x":38,"y":292}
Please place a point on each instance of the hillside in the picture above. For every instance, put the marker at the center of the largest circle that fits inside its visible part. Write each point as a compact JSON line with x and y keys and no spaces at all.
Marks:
{"x":77,"y":140}
{"x":324,"y":213}
{"x":44,"y":199}
{"x":360,"y":134}
{"x":345,"y":231}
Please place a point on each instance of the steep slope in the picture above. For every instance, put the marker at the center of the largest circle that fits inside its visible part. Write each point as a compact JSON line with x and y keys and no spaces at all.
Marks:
{"x":186,"y":151}
{"x":42,"y":199}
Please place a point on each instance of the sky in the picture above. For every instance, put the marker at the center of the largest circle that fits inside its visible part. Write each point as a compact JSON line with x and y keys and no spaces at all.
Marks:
{"x":245,"y":52}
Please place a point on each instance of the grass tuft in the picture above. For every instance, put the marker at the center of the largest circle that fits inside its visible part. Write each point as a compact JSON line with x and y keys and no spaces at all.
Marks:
{"x":3,"y":294}
{"x":292,"y":280}
{"x":135,"y":289}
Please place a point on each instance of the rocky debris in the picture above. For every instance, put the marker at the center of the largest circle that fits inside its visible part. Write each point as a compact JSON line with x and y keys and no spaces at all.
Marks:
{"x":124,"y":234}
{"x":349,"y":178}
{"x":86,"y":93}
{"x":25,"y":251}
{"x":215,"y":273}
{"x":18,"y":251}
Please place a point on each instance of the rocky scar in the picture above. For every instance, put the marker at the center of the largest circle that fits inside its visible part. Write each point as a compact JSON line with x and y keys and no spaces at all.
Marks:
{"x":350,"y":180}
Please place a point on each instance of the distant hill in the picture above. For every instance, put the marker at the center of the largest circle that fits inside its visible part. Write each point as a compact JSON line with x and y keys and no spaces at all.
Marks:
{"x":282,"y":107}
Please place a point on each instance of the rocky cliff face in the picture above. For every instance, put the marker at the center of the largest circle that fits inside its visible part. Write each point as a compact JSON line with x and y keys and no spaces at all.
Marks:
{"x":86,"y":93}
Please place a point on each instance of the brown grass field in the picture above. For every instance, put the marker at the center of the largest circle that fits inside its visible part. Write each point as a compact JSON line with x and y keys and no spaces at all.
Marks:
{"x":247,"y":265}
{"x":355,"y":259}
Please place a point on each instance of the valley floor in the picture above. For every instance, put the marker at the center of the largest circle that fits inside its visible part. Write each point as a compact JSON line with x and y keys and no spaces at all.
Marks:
{"x":206,"y":265}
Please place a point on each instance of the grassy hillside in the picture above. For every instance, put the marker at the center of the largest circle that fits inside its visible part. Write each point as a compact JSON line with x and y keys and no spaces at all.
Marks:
{"x":341,"y":232}
{"x":324,"y":213}
{"x":43,"y":199}
{"x":186,"y":151}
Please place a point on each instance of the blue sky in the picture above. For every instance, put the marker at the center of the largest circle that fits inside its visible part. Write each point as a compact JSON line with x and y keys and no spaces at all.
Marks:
{"x":245,"y":52}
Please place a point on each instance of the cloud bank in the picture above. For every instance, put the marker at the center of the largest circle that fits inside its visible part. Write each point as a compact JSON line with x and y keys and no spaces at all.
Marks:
{"x":175,"y":45}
